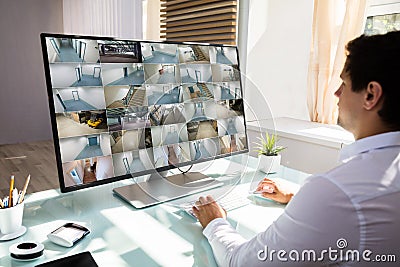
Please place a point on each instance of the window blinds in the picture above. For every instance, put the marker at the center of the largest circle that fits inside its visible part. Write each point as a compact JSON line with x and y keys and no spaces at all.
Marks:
{"x":206,"y":21}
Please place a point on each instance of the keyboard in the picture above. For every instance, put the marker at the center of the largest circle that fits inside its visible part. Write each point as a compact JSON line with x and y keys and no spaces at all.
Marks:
{"x":231,"y":201}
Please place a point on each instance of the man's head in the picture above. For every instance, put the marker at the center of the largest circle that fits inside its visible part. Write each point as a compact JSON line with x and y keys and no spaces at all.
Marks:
{"x":369,"y":97}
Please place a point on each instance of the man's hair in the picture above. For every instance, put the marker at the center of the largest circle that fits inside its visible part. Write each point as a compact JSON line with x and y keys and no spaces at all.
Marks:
{"x":377,"y":58}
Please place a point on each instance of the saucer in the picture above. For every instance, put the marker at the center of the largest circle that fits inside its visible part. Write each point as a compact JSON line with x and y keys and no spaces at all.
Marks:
{"x":5,"y":237}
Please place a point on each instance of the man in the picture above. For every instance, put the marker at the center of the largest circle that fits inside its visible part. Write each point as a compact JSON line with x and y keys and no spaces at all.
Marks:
{"x":351,"y":210}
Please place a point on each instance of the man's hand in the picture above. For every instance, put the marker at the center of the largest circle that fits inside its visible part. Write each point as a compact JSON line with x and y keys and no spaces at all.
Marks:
{"x":206,"y":210}
{"x":274,"y":191}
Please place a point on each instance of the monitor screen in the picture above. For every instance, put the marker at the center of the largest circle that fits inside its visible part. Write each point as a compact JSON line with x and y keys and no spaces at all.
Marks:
{"x":123,"y":108}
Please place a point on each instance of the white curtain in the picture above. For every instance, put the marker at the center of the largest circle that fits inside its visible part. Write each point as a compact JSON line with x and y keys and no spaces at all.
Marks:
{"x":335,"y":23}
{"x":115,"y":18}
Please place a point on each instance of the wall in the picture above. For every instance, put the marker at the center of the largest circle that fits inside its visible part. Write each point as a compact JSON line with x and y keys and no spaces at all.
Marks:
{"x":279,"y":38}
{"x":23,"y":101}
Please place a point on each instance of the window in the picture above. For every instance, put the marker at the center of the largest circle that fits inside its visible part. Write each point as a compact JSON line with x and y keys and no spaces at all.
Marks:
{"x":382,"y":24}
{"x":382,"y":16}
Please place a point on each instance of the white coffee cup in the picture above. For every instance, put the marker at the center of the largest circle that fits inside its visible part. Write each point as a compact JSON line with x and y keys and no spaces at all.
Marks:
{"x":11,"y":219}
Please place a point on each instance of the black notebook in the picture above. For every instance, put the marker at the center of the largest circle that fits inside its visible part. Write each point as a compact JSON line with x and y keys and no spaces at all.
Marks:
{"x":83,"y":259}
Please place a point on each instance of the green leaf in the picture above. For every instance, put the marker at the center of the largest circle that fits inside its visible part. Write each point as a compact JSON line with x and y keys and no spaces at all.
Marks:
{"x":267,"y":145}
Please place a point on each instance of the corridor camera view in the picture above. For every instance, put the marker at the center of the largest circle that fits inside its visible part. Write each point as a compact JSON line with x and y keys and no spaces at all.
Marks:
{"x":223,"y":55}
{"x":130,"y":107}
{"x":88,"y":146}
{"x":162,"y":73}
{"x":133,"y":161}
{"x":227,"y":90}
{"x":195,"y":73}
{"x":75,"y":75}
{"x":225,"y":73}
{"x":72,"y":50}
{"x":78,"y":99}
{"x":158,"y":94}
{"x":205,"y":148}
{"x":123,"y":74}
{"x":171,"y":154}
{"x":130,"y":140}
{"x":128,"y":118}
{"x":159,"y":53}
{"x":87,"y":170}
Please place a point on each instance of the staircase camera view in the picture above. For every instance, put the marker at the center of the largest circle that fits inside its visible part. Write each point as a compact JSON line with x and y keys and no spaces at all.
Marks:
{"x":194,"y":54}
{"x":130,"y":107}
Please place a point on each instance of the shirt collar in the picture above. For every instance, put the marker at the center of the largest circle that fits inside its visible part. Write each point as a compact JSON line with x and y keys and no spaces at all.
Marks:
{"x":370,"y":143}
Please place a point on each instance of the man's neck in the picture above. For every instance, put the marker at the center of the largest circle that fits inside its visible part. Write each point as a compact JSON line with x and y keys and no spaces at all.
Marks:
{"x":370,"y":129}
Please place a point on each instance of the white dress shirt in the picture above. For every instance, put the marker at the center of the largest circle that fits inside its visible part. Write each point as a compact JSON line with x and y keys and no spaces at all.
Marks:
{"x":353,"y":209}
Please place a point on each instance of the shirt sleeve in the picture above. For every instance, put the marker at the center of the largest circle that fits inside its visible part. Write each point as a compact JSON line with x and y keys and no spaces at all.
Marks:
{"x":223,"y":238}
{"x":316,"y":217}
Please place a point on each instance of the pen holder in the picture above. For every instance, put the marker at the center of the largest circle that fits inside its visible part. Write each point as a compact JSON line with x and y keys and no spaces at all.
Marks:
{"x":11,"y":219}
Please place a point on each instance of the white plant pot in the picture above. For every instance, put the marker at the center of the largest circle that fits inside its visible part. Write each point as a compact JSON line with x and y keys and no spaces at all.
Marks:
{"x":269,"y":164}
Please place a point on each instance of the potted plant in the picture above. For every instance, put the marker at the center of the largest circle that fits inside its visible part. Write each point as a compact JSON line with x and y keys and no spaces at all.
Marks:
{"x":268,"y":153}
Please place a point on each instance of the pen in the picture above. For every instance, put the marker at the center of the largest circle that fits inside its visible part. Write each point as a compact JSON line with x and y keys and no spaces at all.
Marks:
{"x":11,"y":191}
{"x":21,"y":198}
{"x":5,"y":201}
{"x":15,"y":196}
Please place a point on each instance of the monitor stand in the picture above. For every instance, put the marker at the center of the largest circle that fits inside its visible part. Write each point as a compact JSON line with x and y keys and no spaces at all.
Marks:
{"x":158,"y":189}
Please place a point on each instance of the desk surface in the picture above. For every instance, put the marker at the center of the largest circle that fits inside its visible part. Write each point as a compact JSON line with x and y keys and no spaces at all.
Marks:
{"x":124,"y":236}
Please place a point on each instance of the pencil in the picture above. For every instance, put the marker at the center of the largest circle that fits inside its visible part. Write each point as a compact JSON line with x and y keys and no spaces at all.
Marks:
{"x":21,"y":198}
{"x":11,"y":190}
{"x":1,"y":204}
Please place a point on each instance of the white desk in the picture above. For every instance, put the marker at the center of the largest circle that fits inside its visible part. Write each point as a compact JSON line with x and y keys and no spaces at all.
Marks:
{"x":121,"y":235}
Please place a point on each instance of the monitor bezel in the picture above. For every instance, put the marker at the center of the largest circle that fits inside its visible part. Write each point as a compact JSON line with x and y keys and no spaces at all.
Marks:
{"x":53,"y":120}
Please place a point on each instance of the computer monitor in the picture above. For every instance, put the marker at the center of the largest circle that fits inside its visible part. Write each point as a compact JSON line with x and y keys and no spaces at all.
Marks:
{"x":126,"y":108}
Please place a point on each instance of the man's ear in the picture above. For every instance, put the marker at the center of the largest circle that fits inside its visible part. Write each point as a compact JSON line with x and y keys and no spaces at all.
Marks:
{"x":372,"y":95}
